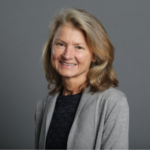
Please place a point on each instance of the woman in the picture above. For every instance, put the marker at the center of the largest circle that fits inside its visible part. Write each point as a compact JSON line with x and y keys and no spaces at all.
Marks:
{"x":83,"y":109}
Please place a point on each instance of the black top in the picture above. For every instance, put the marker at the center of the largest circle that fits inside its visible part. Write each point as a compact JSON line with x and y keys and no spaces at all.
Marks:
{"x":62,"y":120}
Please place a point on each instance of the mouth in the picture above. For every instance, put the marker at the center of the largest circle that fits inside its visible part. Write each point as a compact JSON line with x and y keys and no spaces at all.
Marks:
{"x":67,"y":65}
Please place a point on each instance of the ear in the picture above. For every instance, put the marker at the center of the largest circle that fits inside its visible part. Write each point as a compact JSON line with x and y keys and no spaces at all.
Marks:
{"x":93,"y":58}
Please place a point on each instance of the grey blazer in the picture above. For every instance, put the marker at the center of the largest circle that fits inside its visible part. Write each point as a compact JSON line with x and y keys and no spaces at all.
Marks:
{"x":101,"y":121}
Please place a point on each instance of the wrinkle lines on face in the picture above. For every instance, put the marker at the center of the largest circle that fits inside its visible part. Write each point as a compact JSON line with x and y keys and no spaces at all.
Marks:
{"x":75,"y":50}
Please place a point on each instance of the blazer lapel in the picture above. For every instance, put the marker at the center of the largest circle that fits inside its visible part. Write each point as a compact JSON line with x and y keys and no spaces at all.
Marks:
{"x":47,"y":119}
{"x":83,"y":100}
{"x":49,"y":114}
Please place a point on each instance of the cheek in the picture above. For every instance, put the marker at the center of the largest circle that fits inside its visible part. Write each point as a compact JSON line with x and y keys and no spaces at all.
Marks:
{"x":84,"y":59}
{"x":54,"y":57}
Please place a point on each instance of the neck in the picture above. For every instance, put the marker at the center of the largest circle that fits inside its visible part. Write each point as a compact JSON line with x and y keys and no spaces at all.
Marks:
{"x":71,"y":87}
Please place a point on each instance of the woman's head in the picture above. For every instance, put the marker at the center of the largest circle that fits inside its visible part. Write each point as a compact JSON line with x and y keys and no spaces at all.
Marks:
{"x":69,"y":46}
{"x":94,"y":56}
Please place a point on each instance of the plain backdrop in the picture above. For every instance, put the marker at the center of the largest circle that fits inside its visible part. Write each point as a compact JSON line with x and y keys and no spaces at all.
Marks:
{"x":23,"y":33}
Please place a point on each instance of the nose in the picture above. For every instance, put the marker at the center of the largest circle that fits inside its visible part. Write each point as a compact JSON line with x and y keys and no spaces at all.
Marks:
{"x":68,"y":53}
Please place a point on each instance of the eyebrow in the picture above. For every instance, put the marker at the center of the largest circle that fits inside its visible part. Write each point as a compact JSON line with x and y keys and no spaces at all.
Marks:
{"x":74,"y":44}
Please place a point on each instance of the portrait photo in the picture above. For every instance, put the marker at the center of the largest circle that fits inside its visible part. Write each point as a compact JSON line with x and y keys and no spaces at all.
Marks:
{"x":75,"y":74}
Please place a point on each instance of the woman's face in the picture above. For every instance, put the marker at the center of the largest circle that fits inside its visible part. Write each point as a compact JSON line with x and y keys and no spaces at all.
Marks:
{"x":69,"y":46}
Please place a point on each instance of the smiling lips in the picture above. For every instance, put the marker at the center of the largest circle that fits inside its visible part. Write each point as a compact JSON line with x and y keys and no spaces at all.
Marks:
{"x":68,"y":64}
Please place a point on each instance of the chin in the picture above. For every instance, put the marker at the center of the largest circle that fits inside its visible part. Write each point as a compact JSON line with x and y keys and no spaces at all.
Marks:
{"x":67,"y":75}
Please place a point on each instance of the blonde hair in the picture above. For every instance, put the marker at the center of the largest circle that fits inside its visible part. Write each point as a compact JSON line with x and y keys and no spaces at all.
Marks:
{"x":101,"y":75}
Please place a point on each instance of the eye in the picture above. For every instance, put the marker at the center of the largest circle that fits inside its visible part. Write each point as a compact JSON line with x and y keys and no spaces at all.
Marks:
{"x":59,"y":44}
{"x":79,"y":47}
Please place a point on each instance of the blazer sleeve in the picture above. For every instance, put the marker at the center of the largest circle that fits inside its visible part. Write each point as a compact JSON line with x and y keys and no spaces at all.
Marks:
{"x":38,"y":121}
{"x":116,"y":124}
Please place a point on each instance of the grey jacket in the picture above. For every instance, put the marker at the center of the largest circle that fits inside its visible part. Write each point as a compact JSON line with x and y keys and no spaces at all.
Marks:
{"x":101,"y":121}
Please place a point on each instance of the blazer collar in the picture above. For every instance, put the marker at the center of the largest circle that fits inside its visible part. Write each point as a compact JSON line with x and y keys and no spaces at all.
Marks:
{"x":51,"y":107}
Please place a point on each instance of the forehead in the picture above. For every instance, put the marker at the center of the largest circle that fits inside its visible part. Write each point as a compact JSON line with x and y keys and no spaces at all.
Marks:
{"x":68,"y":32}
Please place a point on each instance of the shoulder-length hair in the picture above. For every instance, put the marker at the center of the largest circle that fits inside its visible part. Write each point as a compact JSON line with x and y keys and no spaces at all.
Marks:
{"x":101,"y":75}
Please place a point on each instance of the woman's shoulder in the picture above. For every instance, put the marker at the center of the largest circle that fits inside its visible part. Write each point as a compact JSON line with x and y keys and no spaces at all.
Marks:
{"x":42,"y":102}
{"x":113,"y":96}
{"x":113,"y":102}
{"x":113,"y":91}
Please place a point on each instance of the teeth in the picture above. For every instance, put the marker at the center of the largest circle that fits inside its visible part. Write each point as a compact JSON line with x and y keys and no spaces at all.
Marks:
{"x":68,"y":64}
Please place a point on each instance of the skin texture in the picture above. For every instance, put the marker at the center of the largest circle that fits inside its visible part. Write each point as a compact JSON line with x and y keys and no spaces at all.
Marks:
{"x":67,"y":47}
